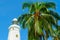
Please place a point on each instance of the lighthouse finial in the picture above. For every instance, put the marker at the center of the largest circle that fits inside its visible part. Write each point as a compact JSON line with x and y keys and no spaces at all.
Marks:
{"x":15,"y":21}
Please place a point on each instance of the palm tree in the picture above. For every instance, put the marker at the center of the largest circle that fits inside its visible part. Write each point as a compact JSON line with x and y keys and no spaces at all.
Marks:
{"x":40,"y":20}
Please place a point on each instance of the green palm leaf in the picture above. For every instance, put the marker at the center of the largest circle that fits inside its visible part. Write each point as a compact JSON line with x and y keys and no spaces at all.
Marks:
{"x":23,"y":19}
{"x":26,"y":5}
{"x":54,"y":14}
{"x":50,"y":5}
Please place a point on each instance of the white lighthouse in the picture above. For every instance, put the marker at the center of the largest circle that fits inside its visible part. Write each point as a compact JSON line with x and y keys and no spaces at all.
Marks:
{"x":14,"y":30}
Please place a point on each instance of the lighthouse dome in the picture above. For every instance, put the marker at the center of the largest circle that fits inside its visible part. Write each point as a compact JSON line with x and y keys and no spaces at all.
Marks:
{"x":15,"y":19}
{"x":14,"y":24}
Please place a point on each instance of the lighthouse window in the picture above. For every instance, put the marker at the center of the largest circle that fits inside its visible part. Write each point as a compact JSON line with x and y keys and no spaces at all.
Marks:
{"x":16,"y":35}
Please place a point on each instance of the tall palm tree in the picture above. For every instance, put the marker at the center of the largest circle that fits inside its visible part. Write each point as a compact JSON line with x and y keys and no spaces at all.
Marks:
{"x":40,"y":20}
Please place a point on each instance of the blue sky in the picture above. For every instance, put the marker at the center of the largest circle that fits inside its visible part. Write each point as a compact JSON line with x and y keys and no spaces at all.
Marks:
{"x":10,"y":9}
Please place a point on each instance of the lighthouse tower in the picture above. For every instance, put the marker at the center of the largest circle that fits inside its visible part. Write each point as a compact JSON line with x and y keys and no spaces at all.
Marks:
{"x":14,"y":30}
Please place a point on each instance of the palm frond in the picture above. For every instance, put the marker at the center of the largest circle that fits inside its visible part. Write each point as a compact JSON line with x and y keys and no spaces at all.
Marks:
{"x":54,"y":14}
{"x":22,"y":19}
{"x":49,"y":21}
{"x":50,"y":5}
{"x":32,"y":9}
{"x":53,"y":21}
{"x":27,"y":5}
